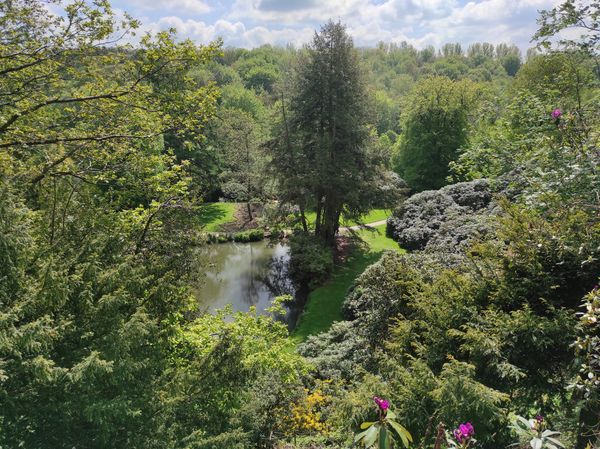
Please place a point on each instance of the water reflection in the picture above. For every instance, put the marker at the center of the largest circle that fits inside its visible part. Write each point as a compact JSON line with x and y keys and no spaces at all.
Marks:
{"x":243,"y":275}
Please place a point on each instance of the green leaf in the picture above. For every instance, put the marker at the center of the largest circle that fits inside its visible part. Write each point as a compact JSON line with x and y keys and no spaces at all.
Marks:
{"x":549,"y":433}
{"x":524,"y":421}
{"x":383,"y":439}
{"x":536,"y":443}
{"x":360,"y":436}
{"x":371,"y":436}
{"x":404,"y":434}
{"x":367,"y":424}
{"x":555,"y":441}
{"x":390,"y":415}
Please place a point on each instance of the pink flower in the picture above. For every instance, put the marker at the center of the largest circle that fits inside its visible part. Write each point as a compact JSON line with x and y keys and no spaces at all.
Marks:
{"x":556,"y":113}
{"x":381,"y":403}
{"x":464,"y":432}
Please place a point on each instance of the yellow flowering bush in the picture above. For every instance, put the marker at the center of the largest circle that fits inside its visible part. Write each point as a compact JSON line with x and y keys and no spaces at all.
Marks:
{"x":305,"y":416}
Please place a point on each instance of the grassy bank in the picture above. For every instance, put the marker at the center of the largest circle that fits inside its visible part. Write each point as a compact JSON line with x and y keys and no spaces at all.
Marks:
{"x":213,"y":215}
{"x":324,"y":305}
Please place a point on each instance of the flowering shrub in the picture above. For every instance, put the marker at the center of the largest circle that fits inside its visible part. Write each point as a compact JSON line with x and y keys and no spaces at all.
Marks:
{"x":533,"y":433}
{"x":462,"y":436}
{"x":306,"y":414}
{"x":379,"y":432}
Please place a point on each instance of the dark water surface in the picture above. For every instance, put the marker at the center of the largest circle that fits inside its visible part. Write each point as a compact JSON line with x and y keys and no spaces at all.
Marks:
{"x":244,"y":275}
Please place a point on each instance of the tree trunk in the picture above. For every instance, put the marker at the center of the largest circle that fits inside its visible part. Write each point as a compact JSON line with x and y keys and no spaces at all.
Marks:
{"x":319,"y":211}
{"x":303,"y":219}
{"x":331,"y":223}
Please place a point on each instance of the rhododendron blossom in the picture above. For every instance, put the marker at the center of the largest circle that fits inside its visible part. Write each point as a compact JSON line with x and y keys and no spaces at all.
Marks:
{"x":464,"y":433}
{"x":381,"y":403}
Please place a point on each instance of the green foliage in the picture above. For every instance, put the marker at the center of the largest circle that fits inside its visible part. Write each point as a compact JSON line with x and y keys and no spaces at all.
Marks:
{"x":533,"y":433}
{"x":217,"y":363}
{"x":381,"y":433}
{"x":321,"y":153}
{"x":435,"y":129}
{"x":105,"y":148}
{"x":587,"y":346}
{"x":235,"y":96}
{"x":252,"y":235}
{"x":455,"y":338}
{"x":570,"y":14}
{"x":558,"y":79}
{"x":587,"y":351}
{"x":324,"y":304}
{"x":259,"y":68}
{"x":311,"y":262}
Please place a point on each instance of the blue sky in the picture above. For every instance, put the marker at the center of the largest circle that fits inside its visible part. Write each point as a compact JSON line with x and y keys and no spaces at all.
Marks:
{"x":251,"y":23}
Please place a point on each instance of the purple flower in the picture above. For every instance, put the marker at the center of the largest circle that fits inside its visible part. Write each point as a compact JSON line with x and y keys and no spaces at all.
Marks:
{"x":538,"y":423}
{"x":556,"y":113}
{"x":468,"y":429}
{"x":464,"y":432}
{"x":381,"y":403}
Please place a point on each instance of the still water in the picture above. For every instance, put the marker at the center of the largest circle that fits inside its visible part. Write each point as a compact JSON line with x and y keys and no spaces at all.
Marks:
{"x":243,"y":275}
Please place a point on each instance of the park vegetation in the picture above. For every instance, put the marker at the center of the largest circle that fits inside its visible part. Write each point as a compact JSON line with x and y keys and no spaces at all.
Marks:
{"x":484,"y":333}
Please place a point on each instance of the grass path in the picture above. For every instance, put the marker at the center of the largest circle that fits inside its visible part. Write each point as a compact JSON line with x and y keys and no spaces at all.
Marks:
{"x":324,"y":305}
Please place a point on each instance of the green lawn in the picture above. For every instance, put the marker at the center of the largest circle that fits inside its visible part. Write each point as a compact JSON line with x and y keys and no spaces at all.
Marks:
{"x":371,"y":217}
{"x":213,"y":215}
{"x":376,"y":215}
{"x":324,"y":305}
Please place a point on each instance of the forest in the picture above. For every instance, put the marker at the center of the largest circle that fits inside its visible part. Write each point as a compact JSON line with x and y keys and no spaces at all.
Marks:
{"x":303,"y":247}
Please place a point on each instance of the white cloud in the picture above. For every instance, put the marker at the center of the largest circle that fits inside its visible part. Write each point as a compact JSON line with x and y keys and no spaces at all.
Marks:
{"x":233,"y":33}
{"x":249,"y":23}
{"x":196,"y":7}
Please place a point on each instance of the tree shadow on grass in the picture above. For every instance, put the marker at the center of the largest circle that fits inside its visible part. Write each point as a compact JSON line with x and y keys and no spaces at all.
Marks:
{"x":210,"y":213}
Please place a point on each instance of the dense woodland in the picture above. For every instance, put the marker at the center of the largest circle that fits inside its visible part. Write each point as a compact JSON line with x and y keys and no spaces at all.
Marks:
{"x":489,"y":159}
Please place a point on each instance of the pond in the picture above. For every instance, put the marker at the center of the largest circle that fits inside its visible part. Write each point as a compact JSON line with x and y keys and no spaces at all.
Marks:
{"x":244,"y":275}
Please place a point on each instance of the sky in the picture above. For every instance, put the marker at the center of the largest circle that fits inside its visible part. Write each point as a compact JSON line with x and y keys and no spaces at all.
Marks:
{"x":251,"y":23}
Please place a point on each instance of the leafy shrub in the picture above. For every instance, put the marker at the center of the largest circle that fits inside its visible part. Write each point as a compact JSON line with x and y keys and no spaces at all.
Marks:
{"x":382,"y":430}
{"x":445,"y":219}
{"x":266,"y":406}
{"x":311,"y":262}
{"x":380,"y":293}
{"x":234,"y":191}
{"x":534,"y":434}
{"x":252,"y":235}
{"x":453,"y":338}
{"x":337,"y":353}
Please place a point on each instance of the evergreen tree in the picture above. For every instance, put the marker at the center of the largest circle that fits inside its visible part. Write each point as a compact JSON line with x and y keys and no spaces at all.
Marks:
{"x":323,"y":156}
